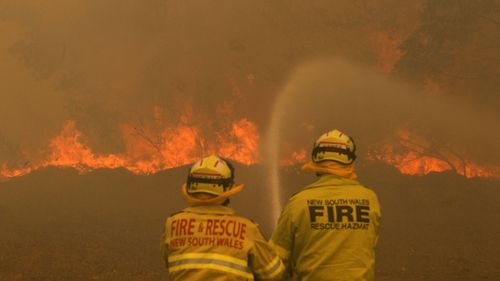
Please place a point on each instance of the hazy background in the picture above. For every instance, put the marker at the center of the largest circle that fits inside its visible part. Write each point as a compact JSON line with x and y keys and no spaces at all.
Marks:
{"x":106,"y":63}
{"x":296,"y":69}
{"x":332,"y":93}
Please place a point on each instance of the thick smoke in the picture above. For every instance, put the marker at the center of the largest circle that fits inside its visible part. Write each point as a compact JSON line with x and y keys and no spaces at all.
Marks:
{"x":105,"y":63}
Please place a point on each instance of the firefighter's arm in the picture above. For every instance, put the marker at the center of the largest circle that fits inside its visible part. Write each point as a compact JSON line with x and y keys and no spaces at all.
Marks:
{"x":378,"y":216}
{"x":282,"y":239}
{"x":264,"y":260}
{"x":165,"y":243}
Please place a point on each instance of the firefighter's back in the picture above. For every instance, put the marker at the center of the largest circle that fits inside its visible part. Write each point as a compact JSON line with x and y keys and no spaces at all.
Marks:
{"x":212,"y":243}
{"x":328,"y":231}
{"x":336,"y":222}
{"x":209,"y":244}
{"x":207,"y":241}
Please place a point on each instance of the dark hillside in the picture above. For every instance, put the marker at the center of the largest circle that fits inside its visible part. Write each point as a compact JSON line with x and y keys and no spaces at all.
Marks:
{"x":106,"y":225}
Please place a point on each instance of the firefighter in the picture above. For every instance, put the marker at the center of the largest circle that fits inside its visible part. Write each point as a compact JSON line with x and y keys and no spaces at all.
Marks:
{"x":207,"y":241}
{"x":329,"y":229}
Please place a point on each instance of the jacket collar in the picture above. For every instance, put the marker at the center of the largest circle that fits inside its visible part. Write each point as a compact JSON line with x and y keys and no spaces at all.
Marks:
{"x":210,"y":209}
{"x":332,"y":180}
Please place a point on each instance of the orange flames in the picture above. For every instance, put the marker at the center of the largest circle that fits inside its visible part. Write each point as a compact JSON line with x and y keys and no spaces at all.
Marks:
{"x":296,"y":157}
{"x":412,"y":154}
{"x":156,"y":145}
{"x":243,"y":145}
{"x":414,"y":163}
{"x":145,"y":152}
{"x":388,"y":51}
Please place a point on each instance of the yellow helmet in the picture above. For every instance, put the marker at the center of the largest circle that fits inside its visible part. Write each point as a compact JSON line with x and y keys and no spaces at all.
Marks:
{"x":212,"y":175}
{"x":334,"y":146}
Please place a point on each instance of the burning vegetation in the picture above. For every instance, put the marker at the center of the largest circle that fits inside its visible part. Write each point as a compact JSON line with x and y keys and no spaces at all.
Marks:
{"x":97,"y":70}
{"x":147,"y":86}
{"x":149,"y":152}
{"x":172,"y":147}
{"x":414,"y":155}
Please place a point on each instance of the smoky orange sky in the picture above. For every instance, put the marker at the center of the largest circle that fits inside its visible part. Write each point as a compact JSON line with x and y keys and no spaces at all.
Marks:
{"x":122,"y":90}
{"x":108,"y":63}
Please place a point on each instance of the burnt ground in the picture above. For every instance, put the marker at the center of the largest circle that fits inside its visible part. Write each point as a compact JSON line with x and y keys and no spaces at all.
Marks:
{"x":106,"y":225}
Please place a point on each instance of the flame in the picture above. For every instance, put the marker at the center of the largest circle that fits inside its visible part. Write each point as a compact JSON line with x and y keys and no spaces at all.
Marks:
{"x":412,"y":158}
{"x":431,"y":86}
{"x":7,"y":172}
{"x":388,"y":41}
{"x":243,"y":143}
{"x":409,"y":162}
{"x":388,"y":50}
{"x":68,"y":150}
{"x":296,"y":157}
{"x":147,"y":151}
{"x":413,"y":163}
{"x":156,"y":145}
{"x":409,"y":153}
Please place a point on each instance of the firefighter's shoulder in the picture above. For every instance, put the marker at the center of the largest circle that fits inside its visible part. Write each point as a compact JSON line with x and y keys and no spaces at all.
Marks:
{"x":174,"y":214}
{"x":371,"y":189}
{"x":368,"y":190}
{"x":246,"y":220}
{"x":251,"y":226}
{"x":301,"y":194}
{"x":294,"y":195}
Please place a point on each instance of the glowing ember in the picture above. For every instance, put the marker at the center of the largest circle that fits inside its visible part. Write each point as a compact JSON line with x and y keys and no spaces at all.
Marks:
{"x":296,"y":157}
{"x":389,"y":52}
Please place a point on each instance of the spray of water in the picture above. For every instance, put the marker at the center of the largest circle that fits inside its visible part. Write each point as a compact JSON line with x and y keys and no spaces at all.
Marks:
{"x":273,"y":151}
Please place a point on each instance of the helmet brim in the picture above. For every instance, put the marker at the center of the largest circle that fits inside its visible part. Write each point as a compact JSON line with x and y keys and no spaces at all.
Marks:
{"x":194,"y":201}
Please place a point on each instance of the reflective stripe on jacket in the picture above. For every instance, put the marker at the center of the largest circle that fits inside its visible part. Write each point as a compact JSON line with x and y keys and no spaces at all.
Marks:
{"x":212,"y":243}
{"x":328,"y":231}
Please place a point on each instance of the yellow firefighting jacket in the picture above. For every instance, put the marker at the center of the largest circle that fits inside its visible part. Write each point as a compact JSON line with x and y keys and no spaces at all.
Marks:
{"x":328,"y":231}
{"x":210,"y":242}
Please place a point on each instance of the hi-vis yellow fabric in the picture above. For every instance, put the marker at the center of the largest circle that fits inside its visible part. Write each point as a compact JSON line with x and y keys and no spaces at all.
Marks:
{"x":328,"y":231}
{"x":210,"y":242}
{"x":330,"y":167}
